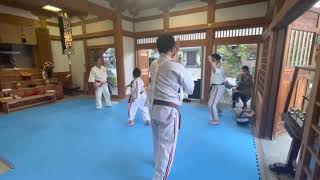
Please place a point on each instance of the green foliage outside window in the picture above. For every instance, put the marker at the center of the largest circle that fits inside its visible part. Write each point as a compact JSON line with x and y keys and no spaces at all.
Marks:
{"x":232,"y":56}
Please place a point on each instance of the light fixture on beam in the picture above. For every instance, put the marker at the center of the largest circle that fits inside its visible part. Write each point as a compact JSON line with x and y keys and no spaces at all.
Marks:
{"x":51,"y":8}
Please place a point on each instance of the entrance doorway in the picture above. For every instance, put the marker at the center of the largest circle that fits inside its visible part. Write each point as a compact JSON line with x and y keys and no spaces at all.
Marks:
{"x":190,"y":57}
{"x":234,"y":58}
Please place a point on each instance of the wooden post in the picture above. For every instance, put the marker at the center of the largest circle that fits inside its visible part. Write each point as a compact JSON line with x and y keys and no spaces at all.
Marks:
{"x":166,"y":20}
{"x":209,"y":50}
{"x":118,"y":41}
{"x":85,"y":47}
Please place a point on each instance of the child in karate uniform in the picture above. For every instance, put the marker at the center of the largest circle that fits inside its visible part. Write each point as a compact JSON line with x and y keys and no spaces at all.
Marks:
{"x":137,"y":99}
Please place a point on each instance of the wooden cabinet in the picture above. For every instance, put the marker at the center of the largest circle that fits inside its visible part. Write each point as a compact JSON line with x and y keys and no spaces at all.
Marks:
{"x":13,"y":34}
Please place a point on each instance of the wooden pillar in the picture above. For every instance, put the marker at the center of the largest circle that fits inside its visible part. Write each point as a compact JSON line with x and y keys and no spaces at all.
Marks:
{"x":44,"y":46}
{"x":166,"y":20}
{"x":209,"y":50}
{"x":85,"y":48}
{"x":118,"y":41}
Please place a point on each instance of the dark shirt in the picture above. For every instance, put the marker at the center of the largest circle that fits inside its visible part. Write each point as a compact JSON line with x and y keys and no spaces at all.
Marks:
{"x":245,"y":84}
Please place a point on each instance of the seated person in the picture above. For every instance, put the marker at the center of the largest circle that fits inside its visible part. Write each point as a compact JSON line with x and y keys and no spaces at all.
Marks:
{"x":244,"y":87}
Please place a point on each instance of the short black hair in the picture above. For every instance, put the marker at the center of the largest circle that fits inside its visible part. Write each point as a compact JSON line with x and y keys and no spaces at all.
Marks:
{"x":216,"y":57}
{"x":245,"y":68}
{"x":165,"y":43}
{"x":136,"y":72}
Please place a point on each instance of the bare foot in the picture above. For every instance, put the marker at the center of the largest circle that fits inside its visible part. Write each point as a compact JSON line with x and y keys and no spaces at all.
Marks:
{"x":214,"y":122}
{"x":130,"y":123}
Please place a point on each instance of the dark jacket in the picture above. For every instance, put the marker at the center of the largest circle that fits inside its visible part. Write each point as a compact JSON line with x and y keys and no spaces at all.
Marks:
{"x":245,"y":84}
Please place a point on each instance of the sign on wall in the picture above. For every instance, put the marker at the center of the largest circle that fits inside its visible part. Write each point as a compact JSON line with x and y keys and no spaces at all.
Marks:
{"x":66,"y":34}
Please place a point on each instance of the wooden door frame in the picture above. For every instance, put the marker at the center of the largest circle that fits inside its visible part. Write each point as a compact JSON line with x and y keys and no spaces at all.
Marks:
{"x":256,"y":66}
{"x":87,"y":64}
{"x":201,"y":45}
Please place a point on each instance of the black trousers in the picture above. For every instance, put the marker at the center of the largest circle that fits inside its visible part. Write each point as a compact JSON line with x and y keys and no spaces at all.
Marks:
{"x":243,"y":98}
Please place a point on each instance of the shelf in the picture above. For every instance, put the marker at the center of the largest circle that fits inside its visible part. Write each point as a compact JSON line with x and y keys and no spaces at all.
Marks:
{"x":31,"y":105}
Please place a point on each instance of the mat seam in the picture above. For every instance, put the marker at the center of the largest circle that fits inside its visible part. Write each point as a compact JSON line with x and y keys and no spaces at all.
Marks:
{"x":256,"y":154}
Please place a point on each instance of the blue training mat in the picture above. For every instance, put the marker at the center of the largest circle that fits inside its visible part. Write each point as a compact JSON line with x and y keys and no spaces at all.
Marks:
{"x":73,"y":140}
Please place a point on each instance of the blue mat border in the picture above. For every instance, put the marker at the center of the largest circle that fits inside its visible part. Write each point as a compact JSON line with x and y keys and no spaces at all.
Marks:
{"x":255,"y":148}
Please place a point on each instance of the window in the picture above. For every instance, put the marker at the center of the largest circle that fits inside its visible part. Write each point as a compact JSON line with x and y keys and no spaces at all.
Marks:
{"x":239,"y":32}
{"x":182,"y":37}
{"x":300,"y":47}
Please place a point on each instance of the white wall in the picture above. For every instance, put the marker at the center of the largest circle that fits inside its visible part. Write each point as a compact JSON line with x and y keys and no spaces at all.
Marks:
{"x":17,"y":12}
{"x":77,"y":30}
{"x":53,"y":20}
{"x":60,"y":61}
{"x":75,"y":19}
{"x":188,"y":19}
{"x":78,"y":64}
{"x":100,"y":41}
{"x":53,"y":30}
{"x":155,"y":24}
{"x":127,"y":25}
{"x":129,"y":58}
{"x":242,"y":12}
{"x":99,"y":26}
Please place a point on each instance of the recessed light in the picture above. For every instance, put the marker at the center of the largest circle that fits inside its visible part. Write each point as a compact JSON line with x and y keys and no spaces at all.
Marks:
{"x":51,"y":8}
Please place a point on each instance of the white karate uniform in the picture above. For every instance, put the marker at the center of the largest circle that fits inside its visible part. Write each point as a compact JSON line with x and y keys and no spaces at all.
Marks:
{"x":100,"y":75}
{"x":167,"y":77}
{"x":217,"y":91}
{"x":139,"y":95}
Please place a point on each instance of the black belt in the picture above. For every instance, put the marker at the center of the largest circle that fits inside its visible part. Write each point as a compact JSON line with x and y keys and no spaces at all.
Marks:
{"x":169,"y":104}
{"x":217,"y":84}
{"x":214,"y":85}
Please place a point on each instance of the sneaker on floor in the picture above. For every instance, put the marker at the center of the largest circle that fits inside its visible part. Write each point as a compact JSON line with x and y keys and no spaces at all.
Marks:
{"x":130,"y":123}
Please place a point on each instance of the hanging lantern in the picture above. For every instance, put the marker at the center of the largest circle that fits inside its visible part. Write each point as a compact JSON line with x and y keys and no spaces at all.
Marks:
{"x":66,"y":34}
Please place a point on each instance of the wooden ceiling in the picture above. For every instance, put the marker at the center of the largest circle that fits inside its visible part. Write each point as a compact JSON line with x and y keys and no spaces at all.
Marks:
{"x":134,"y":6}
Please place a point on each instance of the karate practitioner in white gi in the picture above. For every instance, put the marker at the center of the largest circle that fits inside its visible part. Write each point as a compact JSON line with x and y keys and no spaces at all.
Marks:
{"x":167,"y":77}
{"x":217,"y":87}
{"x":98,"y":76}
{"x":137,"y":99}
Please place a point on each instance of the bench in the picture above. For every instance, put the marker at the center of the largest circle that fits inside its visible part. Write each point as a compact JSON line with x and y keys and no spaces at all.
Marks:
{"x":26,"y":102}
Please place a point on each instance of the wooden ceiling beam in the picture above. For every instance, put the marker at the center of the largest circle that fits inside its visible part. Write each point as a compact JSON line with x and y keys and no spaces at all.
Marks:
{"x":290,"y":11}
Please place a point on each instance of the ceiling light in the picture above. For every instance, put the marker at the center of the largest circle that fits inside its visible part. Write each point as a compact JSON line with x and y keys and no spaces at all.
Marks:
{"x":51,"y":8}
{"x":317,"y":5}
